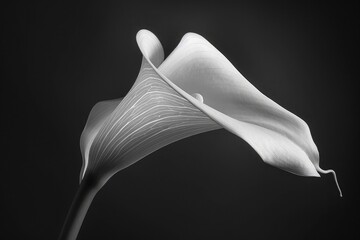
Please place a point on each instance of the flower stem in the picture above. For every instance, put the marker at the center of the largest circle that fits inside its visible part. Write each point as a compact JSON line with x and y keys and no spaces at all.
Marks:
{"x":88,"y":188}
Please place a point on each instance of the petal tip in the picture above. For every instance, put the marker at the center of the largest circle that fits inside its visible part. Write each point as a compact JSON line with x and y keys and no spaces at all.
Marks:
{"x":320,"y":170}
{"x":150,"y":46}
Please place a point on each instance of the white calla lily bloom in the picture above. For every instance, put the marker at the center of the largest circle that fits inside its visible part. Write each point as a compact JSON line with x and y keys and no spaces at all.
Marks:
{"x":195,"y":89}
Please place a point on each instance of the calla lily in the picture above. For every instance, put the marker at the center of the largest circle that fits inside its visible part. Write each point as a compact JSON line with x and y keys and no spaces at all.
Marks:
{"x":194,"y":90}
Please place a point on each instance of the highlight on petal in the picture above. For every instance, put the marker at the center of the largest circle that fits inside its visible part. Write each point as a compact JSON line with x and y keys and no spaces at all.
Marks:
{"x":194,"y":90}
{"x":99,"y":113}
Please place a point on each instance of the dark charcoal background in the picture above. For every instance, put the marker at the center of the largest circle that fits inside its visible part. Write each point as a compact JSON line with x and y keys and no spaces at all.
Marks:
{"x":60,"y":59}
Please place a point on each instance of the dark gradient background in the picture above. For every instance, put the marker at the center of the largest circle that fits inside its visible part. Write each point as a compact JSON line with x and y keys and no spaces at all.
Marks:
{"x":60,"y":59}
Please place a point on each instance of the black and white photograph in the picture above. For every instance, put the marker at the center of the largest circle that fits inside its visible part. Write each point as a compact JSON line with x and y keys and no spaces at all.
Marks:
{"x":180,"y":120}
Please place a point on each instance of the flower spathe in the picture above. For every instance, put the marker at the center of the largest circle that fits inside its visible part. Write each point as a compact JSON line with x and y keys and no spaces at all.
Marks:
{"x":194,"y":90}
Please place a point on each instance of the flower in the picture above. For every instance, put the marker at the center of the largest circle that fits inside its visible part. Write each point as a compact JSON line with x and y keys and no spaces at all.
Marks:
{"x":194,"y":90}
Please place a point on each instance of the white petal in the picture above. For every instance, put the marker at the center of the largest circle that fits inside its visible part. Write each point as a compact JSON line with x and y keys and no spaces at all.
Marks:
{"x":99,"y":113}
{"x":152,"y":115}
{"x":281,"y":138}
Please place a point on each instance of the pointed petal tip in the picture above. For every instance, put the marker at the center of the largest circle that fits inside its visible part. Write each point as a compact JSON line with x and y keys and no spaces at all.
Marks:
{"x":315,"y":175}
{"x":307,"y":172}
{"x":320,"y":170}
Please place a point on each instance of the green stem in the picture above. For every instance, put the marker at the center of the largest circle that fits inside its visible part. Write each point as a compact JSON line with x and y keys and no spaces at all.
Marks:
{"x":87,"y":190}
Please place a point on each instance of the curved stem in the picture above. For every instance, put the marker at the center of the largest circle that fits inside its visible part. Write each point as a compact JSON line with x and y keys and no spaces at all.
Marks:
{"x":88,"y":188}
